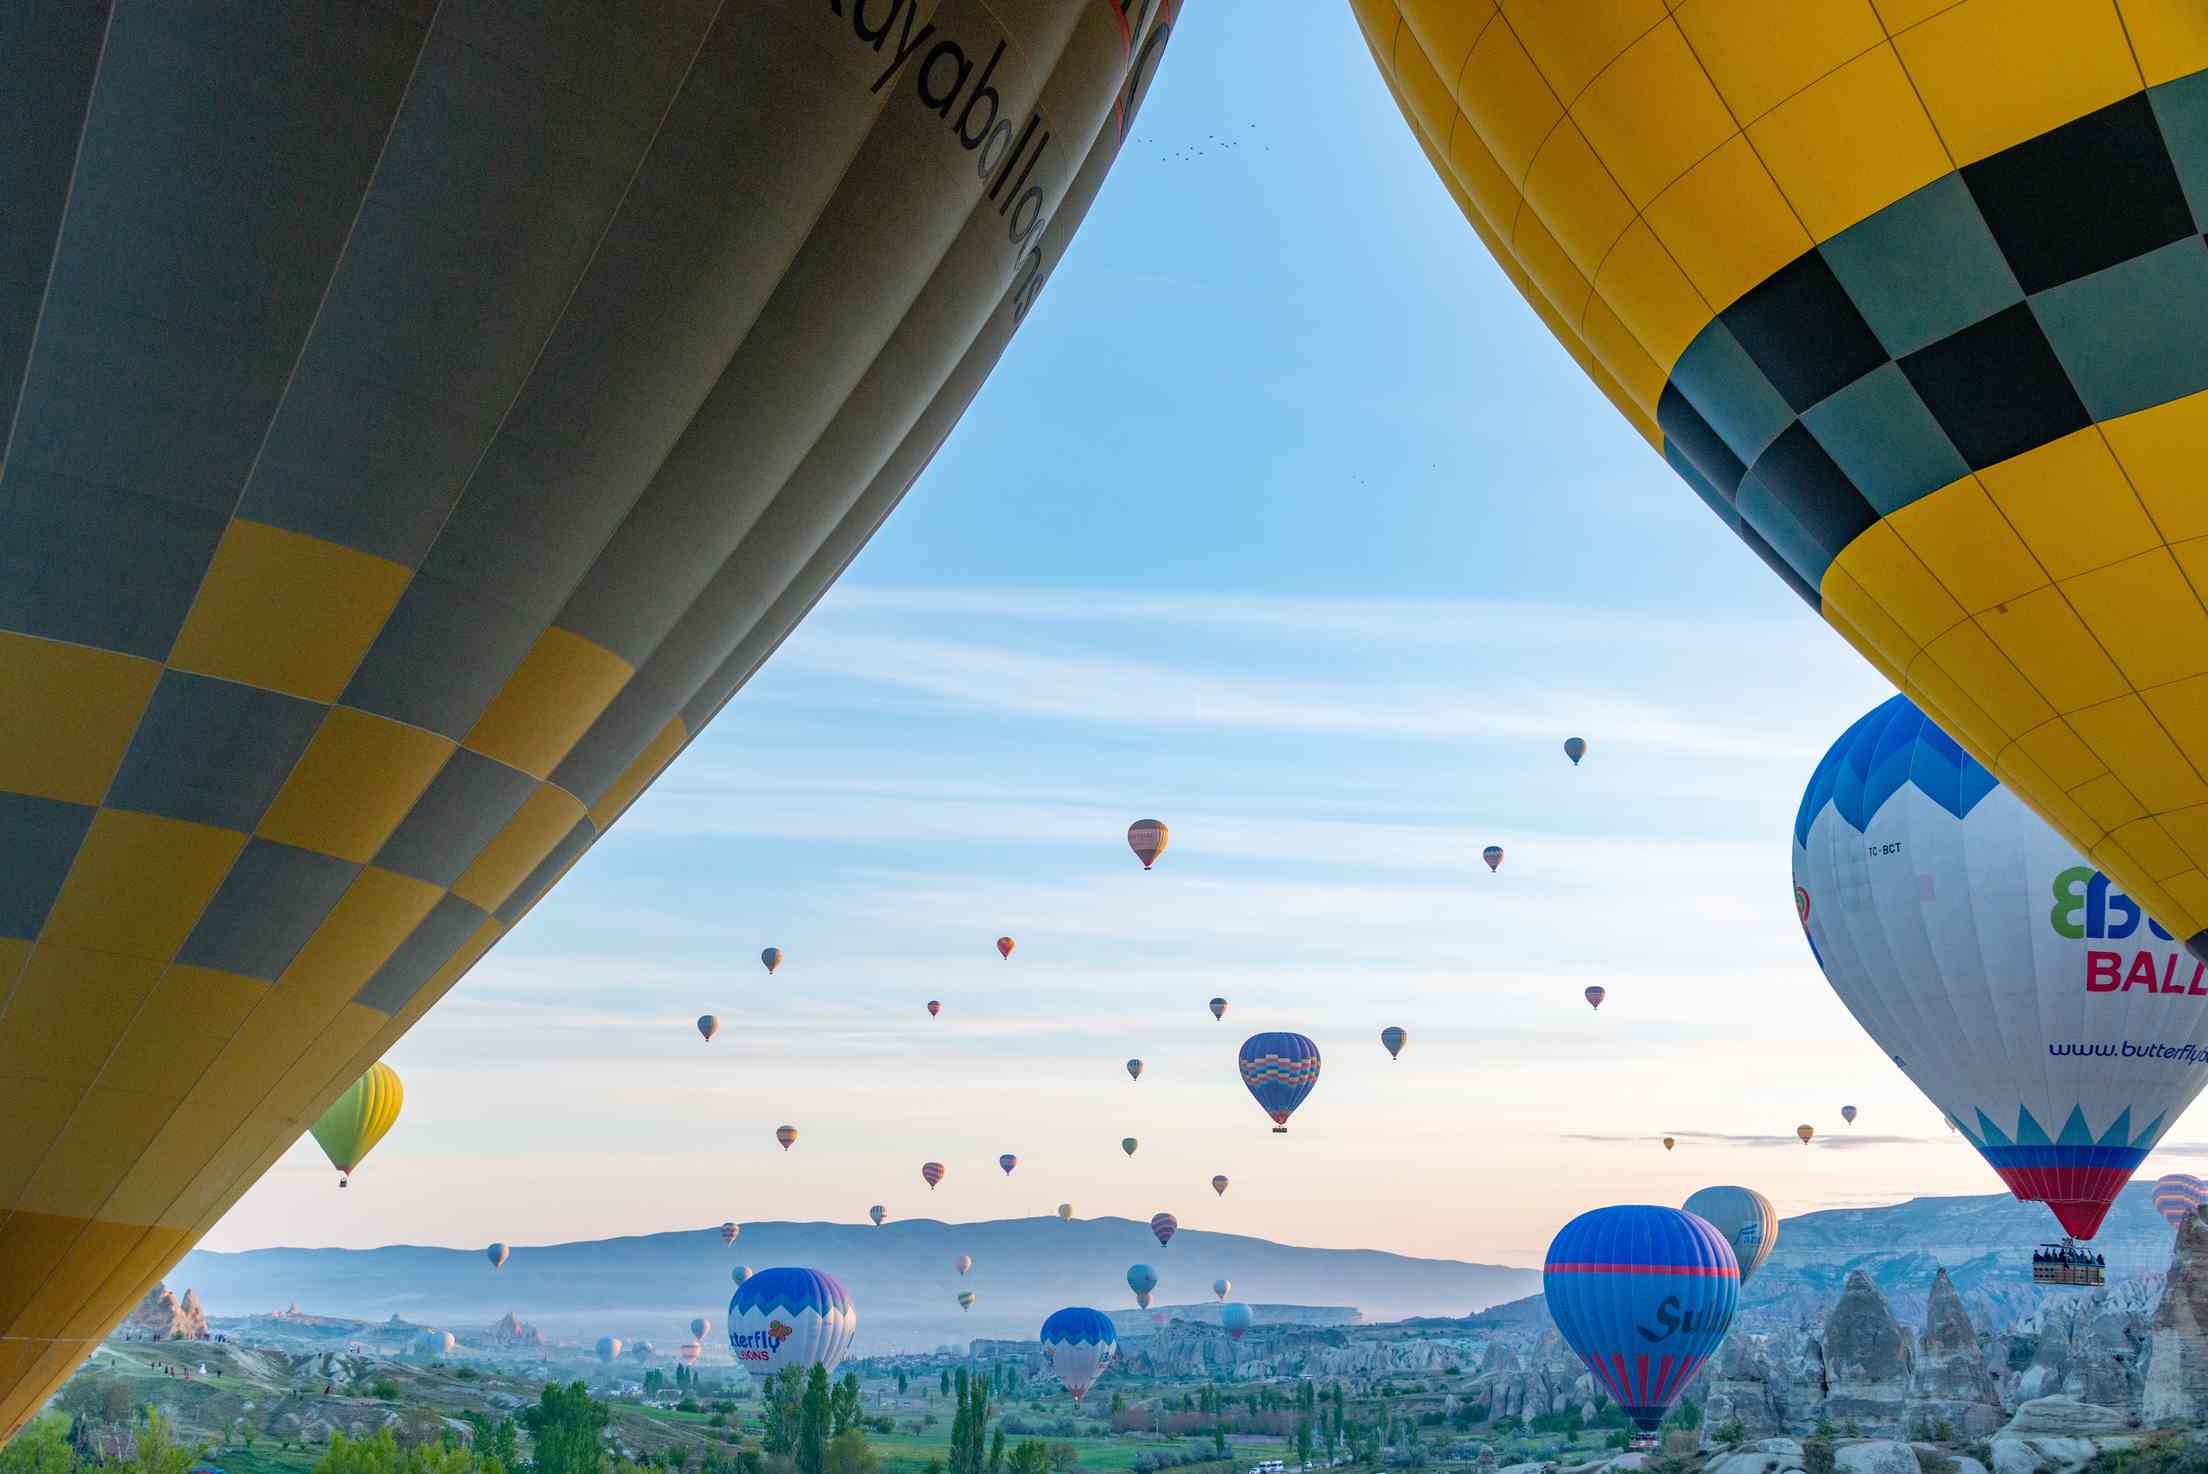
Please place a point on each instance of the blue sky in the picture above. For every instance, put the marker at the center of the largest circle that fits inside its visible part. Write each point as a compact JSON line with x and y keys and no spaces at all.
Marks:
{"x":1284,"y":521}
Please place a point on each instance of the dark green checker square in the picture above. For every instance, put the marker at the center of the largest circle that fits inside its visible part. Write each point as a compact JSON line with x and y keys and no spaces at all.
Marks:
{"x":212,"y":752}
{"x":1880,"y":434}
{"x":549,"y":869}
{"x":268,"y":905}
{"x":1730,"y":392}
{"x":1924,"y":267}
{"x":428,"y":947}
{"x":1997,"y":388}
{"x":1777,"y":529}
{"x":2135,"y":335}
{"x":39,"y":837}
{"x":2181,"y":109}
{"x":463,"y":808}
{"x":441,"y":657}
{"x":98,"y":566}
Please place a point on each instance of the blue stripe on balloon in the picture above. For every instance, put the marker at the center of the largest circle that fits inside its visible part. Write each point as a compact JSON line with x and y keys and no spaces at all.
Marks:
{"x":1894,"y":747}
{"x":1078,"y":1325}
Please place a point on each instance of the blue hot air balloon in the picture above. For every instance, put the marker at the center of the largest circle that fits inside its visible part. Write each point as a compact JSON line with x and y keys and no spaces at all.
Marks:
{"x":1235,"y":1316}
{"x":1280,"y":1070}
{"x":1644,"y":1295}
{"x":1575,"y":748}
{"x":1142,"y":1279}
{"x":1079,"y":1343}
{"x":790,"y":1317}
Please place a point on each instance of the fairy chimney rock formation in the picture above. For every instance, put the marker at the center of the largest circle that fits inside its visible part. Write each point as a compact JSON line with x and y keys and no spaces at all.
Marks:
{"x":1867,"y":1359}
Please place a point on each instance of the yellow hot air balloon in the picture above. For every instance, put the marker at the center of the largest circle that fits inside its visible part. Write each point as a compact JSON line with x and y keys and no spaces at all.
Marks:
{"x":1912,"y":297}
{"x":1805,"y":1133}
{"x":432,"y":419}
{"x":1065,"y":1212}
{"x":358,"y":1119}
{"x":1670,"y":1142}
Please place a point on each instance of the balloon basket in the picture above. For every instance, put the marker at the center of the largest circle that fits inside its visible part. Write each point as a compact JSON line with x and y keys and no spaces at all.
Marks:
{"x":1280,"y":1131}
{"x":1643,"y":1442}
{"x":2066,"y":1264}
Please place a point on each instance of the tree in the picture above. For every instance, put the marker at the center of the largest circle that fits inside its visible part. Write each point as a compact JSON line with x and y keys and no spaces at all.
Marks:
{"x":1064,"y":1457}
{"x":565,"y":1425}
{"x":1303,"y":1442}
{"x":1818,"y":1454}
{"x":848,"y":1453}
{"x":946,"y":1382}
{"x":996,"y":1450}
{"x":812,"y":1423}
{"x":843,"y":1406}
{"x":1032,"y":1456}
{"x":653,"y":1381}
{"x":900,"y":1384}
{"x":1732,"y":1433}
{"x":1119,"y":1404}
{"x":41,"y":1448}
{"x":781,"y":1401}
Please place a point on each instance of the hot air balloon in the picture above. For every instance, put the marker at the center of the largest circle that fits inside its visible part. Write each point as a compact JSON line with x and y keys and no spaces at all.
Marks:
{"x":1805,"y":1132}
{"x":1393,"y":1039}
{"x":1920,"y":880}
{"x":1745,"y":1218}
{"x":357,"y":1120}
{"x":1575,"y":748}
{"x":1847,"y":1114}
{"x":1219,"y":1008}
{"x":1670,"y":1142}
{"x":2178,"y":1196}
{"x":1004,"y":948}
{"x":729,"y":1231}
{"x":688,"y":1353}
{"x":1065,"y":1212}
{"x":790,"y":1317}
{"x":708,"y":1026}
{"x":1146,"y":837}
{"x":609,"y":1347}
{"x":1594,"y":995}
{"x":496,"y":1253}
{"x":1279,"y":1070}
{"x":1142,"y":1279}
{"x":935,"y":1006}
{"x":1493,"y":854}
{"x":1079,"y":1342}
{"x":1643,"y":1295}
{"x":1832,"y":403}
{"x":438,"y":1343}
{"x":640,"y":1350}
{"x":1236,"y":1318}
{"x":963,"y":1263}
{"x":699,"y":1325}
{"x":1128,"y":1144}
{"x":772,"y":959}
{"x":1219,"y":1185}
{"x":1220,"y":1287}
{"x":1134,"y":1069}
{"x":740,"y":1273}
{"x":965,"y":1299}
{"x":785,"y":1135}
{"x":493,"y":500}
{"x":1008,"y":1162}
{"x":931,"y":1173}
{"x":1164,"y":1225}
{"x":877,"y":1213}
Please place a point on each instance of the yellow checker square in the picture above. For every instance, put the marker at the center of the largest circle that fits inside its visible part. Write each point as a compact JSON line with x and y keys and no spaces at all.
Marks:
{"x":1504,"y":97}
{"x":1426,"y":90}
{"x":1576,"y":198}
{"x":104,"y":1139}
{"x":1900,"y":15}
{"x":133,"y":1273}
{"x":1482,"y":180}
{"x":1380,"y":19}
{"x":178,"y":1154}
{"x":2182,"y":709}
{"x":186,"y":1020}
{"x":1552,"y":271}
{"x":2106,"y":801}
{"x":2125,"y":735}
{"x":35,"y":1120}
{"x":550,"y":700}
{"x":1652,"y":296}
{"x":1894,"y":671}
{"x":1726,"y":224}
{"x":2148,"y":843}
{"x":1759,"y":54}
{"x":2170,"y":37}
{"x":1445,"y":30}
{"x":1846,"y":601}
{"x":2189,"y":828}
{"x":2071,"y":504}
{"x":1850,"y":144}
{"x":2147,"y":617}
{"x":361,"y":932}
{"x":2061,"y":754}
{"x":1653,"y":113}
{"x":1968,"y":653}
{"x":1572,"y":43}
{"x":66,"y":1011}
{"x":315,"y":1078}
{"x":2190,"y":891}
{"x":33,"y":1248}
{"x":1955,"y":710}
{"x":638,"y":776}
{"x":543,"y":821}
{"x":139,"y":884}
{"x":286,"y":612}
{"x":1619,"y":367}
{"x":2163,"y":450}
{"x":2045,"y":639}
{"x":14,"y":952}
{"x":353,"y":785}
{"x":1889,"y":571}
{"x":68,"y":716}
{"x":1968,"y":545}
{"x":1996,"y":72}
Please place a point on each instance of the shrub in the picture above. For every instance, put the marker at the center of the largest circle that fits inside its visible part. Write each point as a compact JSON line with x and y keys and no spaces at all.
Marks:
{"x":1817,"y":1454}
{"x":1732,"y":1433}
{"x":1937,"y":1463}
{"x":385,"y":1388}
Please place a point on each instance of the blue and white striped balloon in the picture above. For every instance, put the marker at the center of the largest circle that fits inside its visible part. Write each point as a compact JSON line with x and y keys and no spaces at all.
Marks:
{"x":790,"y":1317}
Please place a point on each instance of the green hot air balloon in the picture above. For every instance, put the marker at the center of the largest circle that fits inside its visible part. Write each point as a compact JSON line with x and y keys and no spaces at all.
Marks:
{"x":1128,"y":1144}
{"x":357,"y":1120}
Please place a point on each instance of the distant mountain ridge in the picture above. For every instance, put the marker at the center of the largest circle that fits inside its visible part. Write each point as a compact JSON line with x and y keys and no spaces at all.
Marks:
{"x":900,"y":1276}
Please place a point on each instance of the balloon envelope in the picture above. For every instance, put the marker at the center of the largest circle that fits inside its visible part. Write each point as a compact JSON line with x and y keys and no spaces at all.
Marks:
{"x":790,"y":1317}
{"x":358,"y":1119}
{"x":877,"y":1213}
{"x":1594,"y":995}
{"x":785,"y":1135}
{"x":931,"y":1173}
{"x":1004,"y":947}
{"x":1008,"y":1162}
{"x":440,"y":1343}
{"x":965,"y":1299}
{"x":2177,"y":1196}
{"x":609,"y":1347}
{"x":1134,"y":1069}
{"x":1218,"y":1008}
{"x":1805,"y":1131}
{"x":1146,"y":837}
{"x":740,"y":1273}
{"x":1279,"y":1070}
{"x":1079,"y":1344}
{"x":496,"y":1253}
{"x":1746,"y":1219}
{"x":1670,"y":1142}
{"x":962,"y":1263}
{"x":708,"y":1025}
{"x":1392,"y":1039}
{"x":935,"y":1006}
{"x":1575,"y":748}
{"x":1219,"y":1185}
{"x":1493,"y":854}
{"x":1236,"y":1318}
{"x":699,"y":1325}
{"x":1065,"y":1212}
{"x":1220,"y":1287}
{"x":1164,"y":1225}
{"x":1644,"y":1296}
{"x":771,"y":958}
{"x":729,"y":1231}
{"x":1128,"y":1144}
{"x":1996,"y":967}
{"x":1847,"y":1114}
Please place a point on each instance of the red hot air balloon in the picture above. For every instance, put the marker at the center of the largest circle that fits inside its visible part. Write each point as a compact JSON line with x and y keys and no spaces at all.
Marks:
{"x":931,"y":1173}
{"x":1008,"y":1162}
{"x":1146,"y":837}
{"x":935,"y":1006}
{"x":1595,"y":995}
{"x":1219,"y":1008}
{"x":1164,"y":1225}
{"x":785,"y":1135}
{"x":1004,"y":948}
